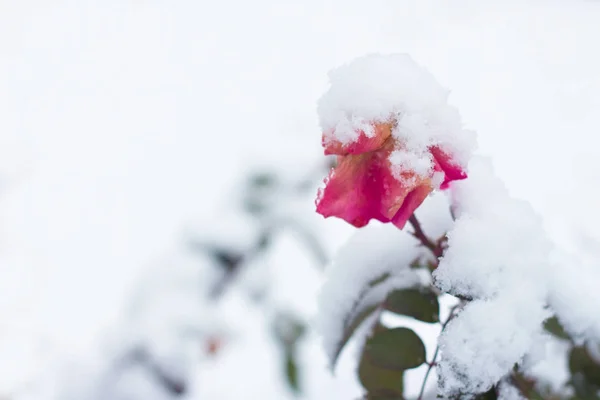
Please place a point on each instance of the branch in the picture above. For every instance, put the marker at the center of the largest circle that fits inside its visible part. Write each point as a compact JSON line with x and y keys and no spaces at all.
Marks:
{"x":435,"y":248}
{"x":437,"y":351}
{"x":525,"y":386}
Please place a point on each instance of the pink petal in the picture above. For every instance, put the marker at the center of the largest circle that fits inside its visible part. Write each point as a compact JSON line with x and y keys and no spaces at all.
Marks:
{"x":452,"y":171}
{"x":411,"y":202}
{"x":362,"y":187}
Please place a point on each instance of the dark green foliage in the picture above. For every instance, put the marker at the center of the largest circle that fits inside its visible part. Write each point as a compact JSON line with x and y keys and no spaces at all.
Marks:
{"x":291,"y":369}
{"x":553,"y":326}
{"x":381,"y":383}
{"x":585,"y":372}
{"x":395,"y":349}
{"x":419,"y":303}
{"x":359,"y":312}
{"x":289,"y":330}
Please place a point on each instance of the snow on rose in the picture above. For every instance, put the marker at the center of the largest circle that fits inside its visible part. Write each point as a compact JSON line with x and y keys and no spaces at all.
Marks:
{"x":394,"y":145}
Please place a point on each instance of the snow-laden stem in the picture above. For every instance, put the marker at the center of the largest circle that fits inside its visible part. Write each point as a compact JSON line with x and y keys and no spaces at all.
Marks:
{"x":437,"y":351}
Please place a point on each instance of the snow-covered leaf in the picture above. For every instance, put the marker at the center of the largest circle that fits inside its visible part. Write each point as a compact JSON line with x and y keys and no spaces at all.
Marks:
{"x":362,"y":309}
{"x":373,"y":263}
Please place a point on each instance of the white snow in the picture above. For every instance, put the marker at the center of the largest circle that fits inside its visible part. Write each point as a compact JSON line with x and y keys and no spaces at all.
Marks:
{"x":498,"y":244}
{"x":507,"y":391}
{"x":575,"y":297}
{"x":548,"y":361}
{"x":498,"y":254}
{"x":486,"y":340}
{"x":384,"y":88}
{"x":371,"y":253}
{"x":402,"y":161}
{"x":121,"y":119}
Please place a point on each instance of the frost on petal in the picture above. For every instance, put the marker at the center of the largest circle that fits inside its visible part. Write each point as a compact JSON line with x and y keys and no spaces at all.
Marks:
{"x":381,"y":88}
{"x":431,"y":162}
{"x":403,"y":161}
{"x":451,"y":169}
{"x":366,"y":137}
{"x":372,"y":253}
{"x":396,"y":138}
{"x":363,"y":187}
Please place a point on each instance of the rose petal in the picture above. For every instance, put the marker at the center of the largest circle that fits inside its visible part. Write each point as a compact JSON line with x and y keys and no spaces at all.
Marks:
{"x":452,"y":171}
{"x":362,"y":187}
{"x":411,"y":202}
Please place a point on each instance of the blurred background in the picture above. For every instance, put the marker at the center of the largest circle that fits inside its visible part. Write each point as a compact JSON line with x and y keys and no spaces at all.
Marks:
{"x":159,"y":162}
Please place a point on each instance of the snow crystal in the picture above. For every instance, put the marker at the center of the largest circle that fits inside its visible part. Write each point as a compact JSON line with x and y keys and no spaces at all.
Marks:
{"x":381,"y":88}
{"x":506,"y":391}
{"x":574,"y":296}
{"x":479,"y":191}
{"x":498,"y":254}
{"x":498,"y":243}
{"x":371,"y":253}
{"x":434,"y":214}
{"x":347,"y":129}
{"x":402,"y":160}
{"x":548,"y":363}
{"x":437,"y":179}
{"x":485,"y":341}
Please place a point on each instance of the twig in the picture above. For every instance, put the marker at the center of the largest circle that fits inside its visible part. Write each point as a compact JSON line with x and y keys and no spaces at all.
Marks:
{"x":525,"y":386}
{"x":435,"y":248}
{"x":435,"y":354}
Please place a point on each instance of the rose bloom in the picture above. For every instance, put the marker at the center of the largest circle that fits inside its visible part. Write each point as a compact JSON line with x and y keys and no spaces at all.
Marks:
{"x":366,"y":185}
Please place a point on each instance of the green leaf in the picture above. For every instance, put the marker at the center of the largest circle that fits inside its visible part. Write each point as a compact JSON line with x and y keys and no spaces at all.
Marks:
{"x":357,"y":314}
{"x":581,"y":363}
{"x":585,"y":374}
{"x":383,"y":396}
{"x":291,"y":372}
{"x":553,"y":326}
{"x":489,"y":395}
{"x":583,"y":388}
{"x":421,"y":304}
{"x":262,"y":180}
{"x":380,"y":383}
{"x":395,"y":349}
{"x":379,"y":279}
{"x":352,"y":324}
{"x":288,"y":329}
